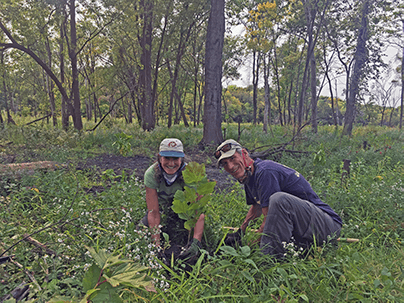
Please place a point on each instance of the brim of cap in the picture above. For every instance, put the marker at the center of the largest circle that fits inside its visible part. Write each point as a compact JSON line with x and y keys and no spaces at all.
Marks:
{"x":226,"y":155}
{"x":172,"y":154}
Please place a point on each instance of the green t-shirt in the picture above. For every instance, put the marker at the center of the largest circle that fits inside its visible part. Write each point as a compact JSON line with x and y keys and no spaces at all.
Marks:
{"x":171,"y":223}
{"x":165,"y":193}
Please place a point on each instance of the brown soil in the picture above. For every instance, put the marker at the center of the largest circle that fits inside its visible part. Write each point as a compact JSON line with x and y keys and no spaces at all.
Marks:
{"x":138,"y":165}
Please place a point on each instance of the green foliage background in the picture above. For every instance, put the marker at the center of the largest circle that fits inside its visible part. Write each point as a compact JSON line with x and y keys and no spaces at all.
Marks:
{"x":370,"y":201}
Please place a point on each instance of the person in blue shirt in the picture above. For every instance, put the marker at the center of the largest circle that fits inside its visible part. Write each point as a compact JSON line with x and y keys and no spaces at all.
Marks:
{"x":293,"y":212}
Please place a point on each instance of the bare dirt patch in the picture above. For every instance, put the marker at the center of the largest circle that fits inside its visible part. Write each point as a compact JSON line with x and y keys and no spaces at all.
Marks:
{"x":138,"y":164}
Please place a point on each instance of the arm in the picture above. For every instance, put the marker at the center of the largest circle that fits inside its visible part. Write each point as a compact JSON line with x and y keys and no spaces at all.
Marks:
{"x":153,"y":215}
{"x":233,"y":239}
{"x":198,"y":230}
{"x":254,"y":212}
{"x":265,"y":213}
{"x":261,"y":228}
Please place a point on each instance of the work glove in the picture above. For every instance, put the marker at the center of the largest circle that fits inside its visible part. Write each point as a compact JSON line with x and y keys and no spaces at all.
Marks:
{"x":233,"y":239}
{"x":192,"y":252}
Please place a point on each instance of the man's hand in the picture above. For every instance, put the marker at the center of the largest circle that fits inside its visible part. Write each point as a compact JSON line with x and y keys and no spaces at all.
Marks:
{"x":233,"y":239}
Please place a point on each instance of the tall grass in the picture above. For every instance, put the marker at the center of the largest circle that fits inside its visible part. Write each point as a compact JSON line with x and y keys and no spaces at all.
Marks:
{"x":370,"y":200}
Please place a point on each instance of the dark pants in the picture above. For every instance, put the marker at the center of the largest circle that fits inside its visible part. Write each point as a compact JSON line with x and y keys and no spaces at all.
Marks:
{"x":291,"y":219}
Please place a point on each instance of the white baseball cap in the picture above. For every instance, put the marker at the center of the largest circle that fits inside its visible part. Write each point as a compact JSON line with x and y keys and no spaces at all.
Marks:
{"x":171,"y":147}
{"x":226,"y":150}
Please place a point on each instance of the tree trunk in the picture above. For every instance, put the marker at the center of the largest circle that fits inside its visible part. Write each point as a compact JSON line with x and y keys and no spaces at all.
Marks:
{"x":50,"y":86}
{"x":78,"y":124}
{"x":212,"y":131}
{"x":146,"y":104}
{"x":5,"y":94}
{"x":402,"y":85}
{"x":158,"y":59}
{"x":195,"y":80}
{"x":313,"y":88}
{"x":360,"y":59}
{"x":201,"y":92}
{"x":278,"y":85}
{"x":64,"y":107}
{"x":267,"y":110}
{"x":255,"y":71}
{"x":310,"y":13}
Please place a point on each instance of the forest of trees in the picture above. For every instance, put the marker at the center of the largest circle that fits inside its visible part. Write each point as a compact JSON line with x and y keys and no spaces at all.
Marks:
{"x":156,"y":62}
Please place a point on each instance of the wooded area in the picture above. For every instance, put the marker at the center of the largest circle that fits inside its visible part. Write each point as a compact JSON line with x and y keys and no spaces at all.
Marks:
{"x":161,"y":60}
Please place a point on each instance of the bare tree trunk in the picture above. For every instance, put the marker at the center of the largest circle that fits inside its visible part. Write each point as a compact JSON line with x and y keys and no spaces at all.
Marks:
{"x":50,"y":86}
{"x":267,"y":110}
{"x":402,"y":85}
{"x":5,"y":94}
{"x":278,"y":85}
{"x":195,"y":81}
{"x":130,"y":112}
{"x":360,"y":59}
{"x":64,"y":107}
{"x":310,"y":13}
{"x":311,"y":10}
{"x":146,"y":104}
{"x":78,"y":124}
{"x":182,"y":110}
{"x":174,"y":76}
{"x":158,"y":59}
{"x":212,"y":131}
{"x":255,"y":71}
{"x":171,"y":101}
{"x":201,"y":92}
{"x":313,"y":88}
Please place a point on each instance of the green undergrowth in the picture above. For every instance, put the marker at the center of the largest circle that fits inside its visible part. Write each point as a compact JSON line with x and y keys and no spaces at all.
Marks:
{"x":85,"y":218}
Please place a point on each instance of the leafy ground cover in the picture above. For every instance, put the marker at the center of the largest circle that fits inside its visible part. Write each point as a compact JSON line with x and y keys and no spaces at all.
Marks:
{"x":86,"y":213}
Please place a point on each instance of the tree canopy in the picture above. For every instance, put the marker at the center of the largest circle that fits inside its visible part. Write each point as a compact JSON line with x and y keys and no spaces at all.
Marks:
{"x":147,"y":61}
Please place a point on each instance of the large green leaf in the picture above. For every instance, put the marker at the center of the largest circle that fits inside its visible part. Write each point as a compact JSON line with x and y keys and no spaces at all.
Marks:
{"x":107,"y":294}
{"x":190,"y":223}
{"x":179,"y":207}
{"x":131,"y":277}
{"x":179,"y":195}
{"x":91,"y":277}
{"x":194,"y":173}
{"x":206,"y":188}
{"x":190,"y":194}
{"x":103,"y":259}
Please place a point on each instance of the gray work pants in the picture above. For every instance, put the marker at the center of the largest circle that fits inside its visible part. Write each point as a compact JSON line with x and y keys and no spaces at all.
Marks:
{"x":291,"y":219}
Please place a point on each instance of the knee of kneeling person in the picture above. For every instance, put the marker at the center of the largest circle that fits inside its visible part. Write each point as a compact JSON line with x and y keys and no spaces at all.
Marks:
{"x":278,"y":198}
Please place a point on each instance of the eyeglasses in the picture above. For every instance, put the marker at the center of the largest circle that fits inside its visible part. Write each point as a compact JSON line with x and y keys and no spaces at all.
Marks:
{"x":224,"y":149}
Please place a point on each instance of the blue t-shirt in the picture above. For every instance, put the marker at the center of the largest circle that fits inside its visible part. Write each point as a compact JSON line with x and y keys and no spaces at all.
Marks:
{"x":270,"y":177}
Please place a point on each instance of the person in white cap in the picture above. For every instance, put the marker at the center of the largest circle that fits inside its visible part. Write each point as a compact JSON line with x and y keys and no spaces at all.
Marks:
{"x":162,"y":180}
{"x":292,"y":211}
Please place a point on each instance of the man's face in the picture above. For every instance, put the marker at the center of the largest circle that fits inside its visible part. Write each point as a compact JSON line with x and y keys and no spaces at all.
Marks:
{"x":170,"y":164}
{"x":234,"y":165}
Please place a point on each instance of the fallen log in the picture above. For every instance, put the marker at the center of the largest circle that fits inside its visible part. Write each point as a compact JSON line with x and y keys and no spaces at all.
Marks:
{"x":28,"y":167}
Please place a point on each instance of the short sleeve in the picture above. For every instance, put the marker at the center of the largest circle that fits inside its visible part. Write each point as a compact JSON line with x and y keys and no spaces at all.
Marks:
{"x":149,"y":177}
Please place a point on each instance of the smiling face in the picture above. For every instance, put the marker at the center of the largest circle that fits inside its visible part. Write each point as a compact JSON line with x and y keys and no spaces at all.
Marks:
{"x":234,"y":165}
{"x":170,"y":164}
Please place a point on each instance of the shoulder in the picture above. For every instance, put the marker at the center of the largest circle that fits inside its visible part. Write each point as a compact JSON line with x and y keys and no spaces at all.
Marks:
{"x":269,"y":165}
{"x":265,"y":166}
{"x":150,"y":177}
{"x":151,"y":170}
